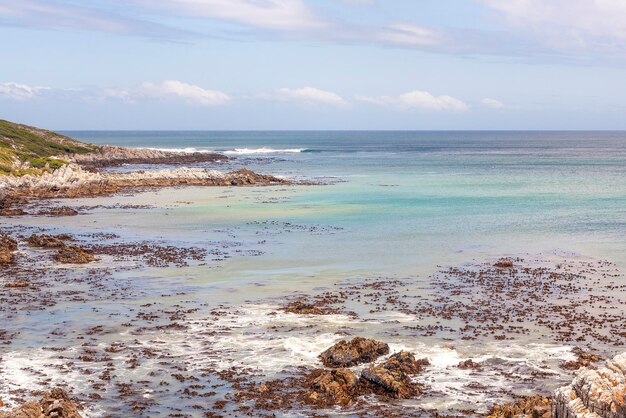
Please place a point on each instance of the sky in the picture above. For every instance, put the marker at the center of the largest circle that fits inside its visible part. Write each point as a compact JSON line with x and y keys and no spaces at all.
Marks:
{"x":314,"y":64}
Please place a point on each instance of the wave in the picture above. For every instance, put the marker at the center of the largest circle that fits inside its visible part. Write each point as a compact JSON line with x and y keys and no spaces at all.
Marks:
{"x":264,"y":150}
{"x":188,"y":150}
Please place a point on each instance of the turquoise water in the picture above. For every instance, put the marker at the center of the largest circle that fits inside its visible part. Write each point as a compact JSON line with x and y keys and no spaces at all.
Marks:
{"x":392,"y":205}
{"x":407,"y":198}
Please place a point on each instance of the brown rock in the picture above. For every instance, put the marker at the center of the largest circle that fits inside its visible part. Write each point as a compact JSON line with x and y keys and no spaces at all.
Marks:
{"x":504,"y":263}
{"x":73,"y":255}
{"x":12,"y":212}
{"x":405,"y":362}
{"x":390,"y":382}
{"x":330,"y":387}
{"x":18,"y":283}
{"x":7,"y":247}
{"x":527,"y":407}
{"x":469,"y":364}
{"x":60,"y":211}
{"x":45,"y":241}
{"x":583,"y":359}
{"x":54,"y":404}
{"x":356,"y":351}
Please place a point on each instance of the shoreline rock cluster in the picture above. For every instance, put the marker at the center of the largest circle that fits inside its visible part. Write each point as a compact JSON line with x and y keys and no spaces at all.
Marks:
{"x":594,"y":393}
{"x":113,"y":156}
{"x":73,"y":181}
{"x":53,"y":404}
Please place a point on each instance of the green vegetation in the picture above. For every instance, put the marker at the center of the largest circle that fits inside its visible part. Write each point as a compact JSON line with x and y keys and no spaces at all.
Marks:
{"x":28,"y":150}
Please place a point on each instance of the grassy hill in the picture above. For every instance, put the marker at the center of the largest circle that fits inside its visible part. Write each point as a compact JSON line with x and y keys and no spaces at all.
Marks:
{"x":28,"y":150}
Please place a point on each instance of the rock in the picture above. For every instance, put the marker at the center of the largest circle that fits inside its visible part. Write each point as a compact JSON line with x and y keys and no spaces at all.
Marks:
{"x":503,"y":263}
{"x":597,"y":393}
{"x":60,"y":211}
{"x":305,"y":308}
{"x":17,"y":283}
{"x":583,"y":359}
{"x":392,"y":378}
{"x":54,"y":404}
{"x":392,"y":383}
{"x":73,"y":255}
{"x":12,"y":212}
{"x":356,"y":351}
{"x":527,"y":407}
{"x":7,"y":247}
{"x":45,"y":241}
{"x":405,"y":362}
{"x":469,"y":364}
{"x":331,"y":387}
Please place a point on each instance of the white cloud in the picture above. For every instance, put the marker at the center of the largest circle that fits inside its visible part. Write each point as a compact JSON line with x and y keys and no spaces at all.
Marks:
{"x":409,"y":35}
{"x":177,"y":89}
{"x":308,"y":95}
{"x":76,"y":16}
{"x":274,"y":14}
{"x":418,"y":100}
{"x":493,"y":103}
{"x":568,"y":23}
{"x":20,"y":92}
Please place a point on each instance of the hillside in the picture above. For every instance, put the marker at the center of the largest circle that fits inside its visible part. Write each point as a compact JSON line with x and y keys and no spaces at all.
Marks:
{"x":28,"y":150}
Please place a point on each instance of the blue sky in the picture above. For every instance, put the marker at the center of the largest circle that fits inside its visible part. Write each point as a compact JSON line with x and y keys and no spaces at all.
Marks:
{"x":314,"y":64}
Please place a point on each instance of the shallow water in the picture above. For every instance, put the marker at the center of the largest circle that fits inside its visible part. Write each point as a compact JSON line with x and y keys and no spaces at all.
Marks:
{"x":396,"y":205}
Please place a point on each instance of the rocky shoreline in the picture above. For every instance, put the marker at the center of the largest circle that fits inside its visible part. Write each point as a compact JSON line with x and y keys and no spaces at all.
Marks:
{"x":112,"y":156}
{"x":71,"y":181}
{"x":356,"y":375}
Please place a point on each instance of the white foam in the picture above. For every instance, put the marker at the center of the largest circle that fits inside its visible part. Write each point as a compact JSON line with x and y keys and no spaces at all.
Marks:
{"x":187,"y":150}
{"x":264,"y":150}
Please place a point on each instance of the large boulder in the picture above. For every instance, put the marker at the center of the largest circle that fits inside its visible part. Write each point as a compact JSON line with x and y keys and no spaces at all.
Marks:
{"x":356,"y":351}
{"x":597,"y":393}
{"x":331,"y":387}
{"x":393,"y":377}
{"x":54,"y":404}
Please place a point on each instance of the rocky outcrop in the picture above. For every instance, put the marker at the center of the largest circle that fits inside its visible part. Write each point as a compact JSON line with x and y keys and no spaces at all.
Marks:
{"x":7,"y":247}
{"x":73,"y":181}
{"x":356,"y":351}
{"x":44,"y":241}
{"x":527,"y":407}
{"x":73,"y":255}
{"x":54,"y":404}
{"x":597,"y":393}
{"x":583,"y":359}
{"x":115,"y":156}
{"x":331,"y":387}
{"x":393,"y":377}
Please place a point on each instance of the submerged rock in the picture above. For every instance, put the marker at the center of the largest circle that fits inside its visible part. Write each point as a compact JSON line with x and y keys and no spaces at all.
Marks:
{"x":54,"y":404}
{"x":356,"y":351}
{"x":45,"y":241}
{"x":7,"y":247}
{"x":594,"y":393}
{"x":73,"y":255}
{"x":60,"y":211}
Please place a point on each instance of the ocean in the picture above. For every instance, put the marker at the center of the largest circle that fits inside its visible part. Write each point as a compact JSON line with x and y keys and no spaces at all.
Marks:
{"x":388,"y":206}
